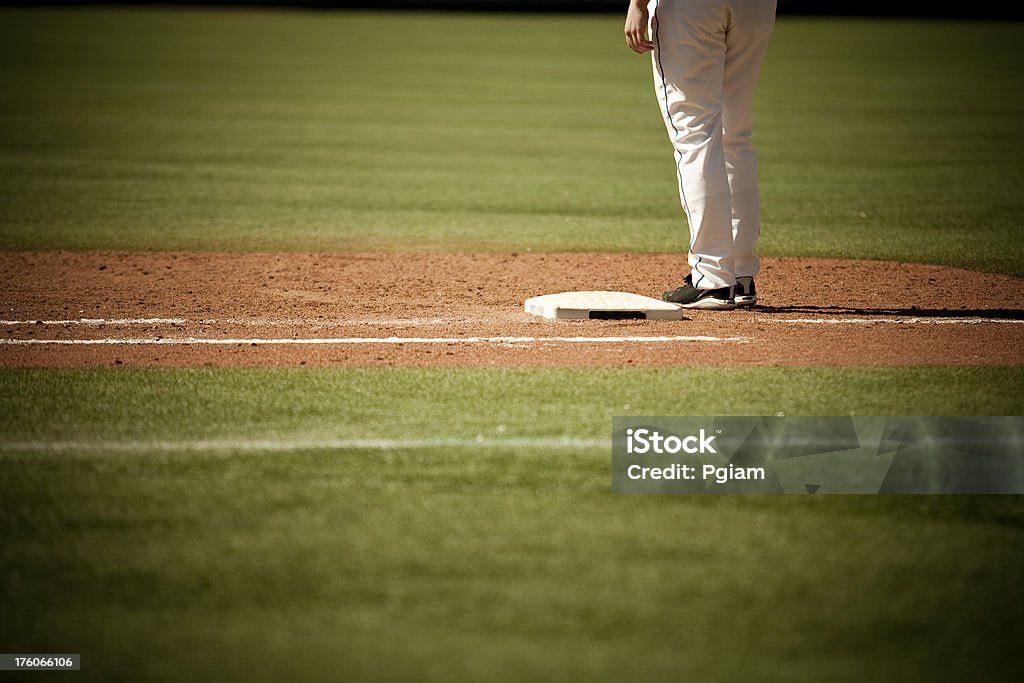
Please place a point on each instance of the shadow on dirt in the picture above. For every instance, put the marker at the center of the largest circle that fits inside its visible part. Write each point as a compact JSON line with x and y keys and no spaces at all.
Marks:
{"x":912,"y":312}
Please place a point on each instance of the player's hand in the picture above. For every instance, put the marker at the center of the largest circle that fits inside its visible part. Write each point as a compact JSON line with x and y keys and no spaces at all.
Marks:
{"x":636,"y":27}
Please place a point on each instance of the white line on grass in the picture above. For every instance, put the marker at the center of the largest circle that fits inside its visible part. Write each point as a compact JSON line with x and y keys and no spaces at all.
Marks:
{"x":278,"y":445}
{"x":190,"y":341}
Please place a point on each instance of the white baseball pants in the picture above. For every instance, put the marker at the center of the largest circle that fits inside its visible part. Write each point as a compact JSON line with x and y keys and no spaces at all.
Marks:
{"x":707,"y":57}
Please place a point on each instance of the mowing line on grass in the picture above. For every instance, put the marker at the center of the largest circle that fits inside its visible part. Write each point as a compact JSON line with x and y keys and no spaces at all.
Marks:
{"x":280,"y":445}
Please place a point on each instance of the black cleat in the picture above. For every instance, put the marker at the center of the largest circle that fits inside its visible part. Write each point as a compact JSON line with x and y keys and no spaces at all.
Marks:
{"x":746,"y":293}
{"x":688,"y":296}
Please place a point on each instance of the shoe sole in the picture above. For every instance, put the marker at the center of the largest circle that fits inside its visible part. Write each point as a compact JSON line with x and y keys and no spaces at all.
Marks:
{"x":746,"y":300}
{"x":710,"y":304}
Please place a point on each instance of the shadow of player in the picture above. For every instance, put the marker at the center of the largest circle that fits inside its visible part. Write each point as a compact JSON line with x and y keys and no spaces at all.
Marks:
{"x":912,"y":312}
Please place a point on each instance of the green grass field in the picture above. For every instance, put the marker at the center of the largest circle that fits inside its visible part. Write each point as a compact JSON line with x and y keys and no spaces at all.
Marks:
{"x":220,"y":560}
{"x":144,"y":525}
{"x":308,"y":131}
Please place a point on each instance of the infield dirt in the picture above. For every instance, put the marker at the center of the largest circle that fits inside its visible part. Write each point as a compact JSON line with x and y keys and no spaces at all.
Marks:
{"x":811,"y":311}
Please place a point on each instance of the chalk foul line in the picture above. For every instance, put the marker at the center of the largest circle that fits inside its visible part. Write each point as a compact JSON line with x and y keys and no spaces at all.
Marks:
{"x":196,"y":341}
{"x":419,"y":322}
{"x":245,"y":322}
{"x":99,"y":322}
{"x":894,"y":321}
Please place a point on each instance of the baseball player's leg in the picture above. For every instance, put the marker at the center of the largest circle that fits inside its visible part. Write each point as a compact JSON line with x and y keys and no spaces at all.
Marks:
{"x":746,"y":43}
{"x":689,"y":61}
